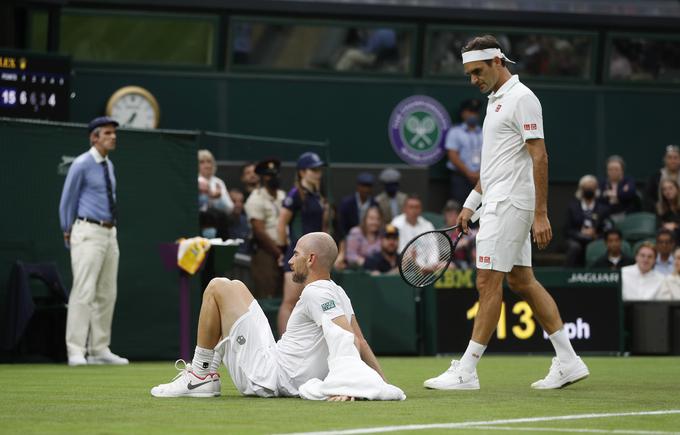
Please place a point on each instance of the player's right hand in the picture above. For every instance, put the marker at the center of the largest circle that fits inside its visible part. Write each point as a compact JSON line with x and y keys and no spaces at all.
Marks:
{"x":464,"y":219}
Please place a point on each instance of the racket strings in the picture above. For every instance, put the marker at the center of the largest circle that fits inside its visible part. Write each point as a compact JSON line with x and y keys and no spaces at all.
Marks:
{"x":426,"y":258}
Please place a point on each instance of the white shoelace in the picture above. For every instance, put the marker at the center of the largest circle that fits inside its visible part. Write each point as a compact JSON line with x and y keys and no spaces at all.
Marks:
{"x":182,"y":370}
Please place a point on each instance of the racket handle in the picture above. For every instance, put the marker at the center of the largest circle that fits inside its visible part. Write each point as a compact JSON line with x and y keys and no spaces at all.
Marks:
{"x":475,"y":215}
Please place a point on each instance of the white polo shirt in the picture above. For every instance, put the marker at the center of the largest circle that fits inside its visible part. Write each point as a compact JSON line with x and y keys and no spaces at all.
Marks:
{"x":513,"y":116}
{"x":408,"y":231}
{"x":636,"y":286}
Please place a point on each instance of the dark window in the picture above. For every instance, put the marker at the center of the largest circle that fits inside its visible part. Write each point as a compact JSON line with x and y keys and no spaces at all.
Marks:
{"x":537,"y":55}
{"x":138,"y":38}
{"x":320,"y":47}
{"x":636,"y":58}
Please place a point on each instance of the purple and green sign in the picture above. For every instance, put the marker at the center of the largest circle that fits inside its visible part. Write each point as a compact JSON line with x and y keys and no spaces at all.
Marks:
{"x":417,"y":130}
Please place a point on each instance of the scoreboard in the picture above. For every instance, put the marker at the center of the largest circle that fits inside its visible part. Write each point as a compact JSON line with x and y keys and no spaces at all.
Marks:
{"x":34,"y":85}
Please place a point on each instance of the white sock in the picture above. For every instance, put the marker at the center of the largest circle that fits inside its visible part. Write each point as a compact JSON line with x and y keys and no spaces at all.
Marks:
{"x":471,"y":356}
{"x":216,"y":362}
{"x":202,"y":360}
{"x":560,"y":340}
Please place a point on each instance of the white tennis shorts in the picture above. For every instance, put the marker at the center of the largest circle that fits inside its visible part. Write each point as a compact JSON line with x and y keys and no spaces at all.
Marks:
{"x":250,"y":354}
{"x":504,"y":239}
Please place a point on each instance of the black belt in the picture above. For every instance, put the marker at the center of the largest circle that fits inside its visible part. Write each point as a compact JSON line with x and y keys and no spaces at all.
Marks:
{"x":95,"y":221}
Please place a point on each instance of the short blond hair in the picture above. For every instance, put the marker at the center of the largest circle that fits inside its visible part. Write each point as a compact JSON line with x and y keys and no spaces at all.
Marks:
{"x":206,"y":154}
{"x":649,"y":245}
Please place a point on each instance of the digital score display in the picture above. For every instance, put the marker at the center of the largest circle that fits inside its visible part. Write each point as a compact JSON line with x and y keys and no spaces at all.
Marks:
{"x":34,"y":86}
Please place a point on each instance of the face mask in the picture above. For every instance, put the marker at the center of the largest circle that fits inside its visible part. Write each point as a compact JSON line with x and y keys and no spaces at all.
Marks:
{"x":209,"y":233}
{"x":391,"y":188}
{"x":472,"y":120}
{"x":273,"y":183}
{"x":588,"y":194}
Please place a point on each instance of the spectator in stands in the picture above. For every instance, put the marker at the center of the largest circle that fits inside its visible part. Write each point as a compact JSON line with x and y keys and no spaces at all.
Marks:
{"x":614,"y":258}
{"x":665,"y":245}
{"x":239,"y":227}
{"x":353,"y":207}
{"x":668,"y":206}
{"x":587,"y":219}
{"x":379,"y":51}
{"x":364,"y":239}
{"x":213,"y":198}
{"x":387,"y":260}
{"x":410,"y":223}
{"x":640,"y":282}
{"x":670,"y":170}
{"x":462,"y":257}
{"x":249,"y":179}
{"x":391,"y":200}
{"x":670,"y":287}
{"x":464,"y":147}
{"x":304,"y":211}
{"x":263,"y":208}
{"x":617,"y":190}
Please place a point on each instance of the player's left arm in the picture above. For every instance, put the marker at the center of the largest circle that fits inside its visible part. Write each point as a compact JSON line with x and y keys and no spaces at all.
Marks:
{"x":360,"y":342}
{"x":541,"y":227}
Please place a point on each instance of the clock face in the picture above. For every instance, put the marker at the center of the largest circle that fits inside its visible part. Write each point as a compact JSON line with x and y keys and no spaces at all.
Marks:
{"x":134,"y":107}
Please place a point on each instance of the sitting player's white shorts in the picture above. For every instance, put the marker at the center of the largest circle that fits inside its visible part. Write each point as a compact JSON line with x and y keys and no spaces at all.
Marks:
{"x":250,"y":354}
{"x":504,"y":240}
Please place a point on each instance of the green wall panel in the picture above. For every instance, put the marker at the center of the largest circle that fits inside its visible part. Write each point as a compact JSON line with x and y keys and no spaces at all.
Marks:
{"x":583,"y":123}
{"x":155,"y":203}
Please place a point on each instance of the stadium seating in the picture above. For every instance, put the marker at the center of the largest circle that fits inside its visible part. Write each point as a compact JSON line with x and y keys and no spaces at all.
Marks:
{"x":598,"y":248}
{"x":638,"y":226}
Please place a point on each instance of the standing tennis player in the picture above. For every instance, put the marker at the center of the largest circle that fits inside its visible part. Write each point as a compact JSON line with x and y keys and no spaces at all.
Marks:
{"x":513,"y":187}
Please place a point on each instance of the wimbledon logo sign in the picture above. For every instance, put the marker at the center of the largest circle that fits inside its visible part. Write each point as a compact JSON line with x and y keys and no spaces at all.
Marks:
{"x":417,"y":128}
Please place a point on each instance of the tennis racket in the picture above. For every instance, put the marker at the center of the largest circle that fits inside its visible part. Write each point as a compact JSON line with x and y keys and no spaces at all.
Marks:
{"x":427,"y":256}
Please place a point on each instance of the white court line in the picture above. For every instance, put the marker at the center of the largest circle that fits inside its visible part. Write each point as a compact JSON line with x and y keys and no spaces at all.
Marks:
{"x":413,"y":427}
{"x":574,"y":430}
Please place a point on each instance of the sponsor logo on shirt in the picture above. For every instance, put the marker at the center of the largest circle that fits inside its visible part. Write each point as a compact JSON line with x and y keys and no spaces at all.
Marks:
{"x":484,"y":259}
{"x":328,"y":305}
{"x":241,"y":340}
{"x":528,"y":127}
{"x":498,"y":108}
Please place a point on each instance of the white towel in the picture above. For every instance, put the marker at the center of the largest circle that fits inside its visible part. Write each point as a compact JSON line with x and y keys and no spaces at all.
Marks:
{"x":348,"y":374}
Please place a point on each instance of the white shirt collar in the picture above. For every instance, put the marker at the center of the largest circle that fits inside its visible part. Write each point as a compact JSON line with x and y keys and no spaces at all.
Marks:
{"x":586,"y":207}
{"x":97,"y":157}
{"x":512,"y":81}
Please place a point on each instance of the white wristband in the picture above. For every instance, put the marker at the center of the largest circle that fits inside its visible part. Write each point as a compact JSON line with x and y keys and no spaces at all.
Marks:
{"x":473,"y":200}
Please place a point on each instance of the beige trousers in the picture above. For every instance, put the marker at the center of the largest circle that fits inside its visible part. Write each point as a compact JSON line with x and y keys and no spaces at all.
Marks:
{"x":94,"y":262}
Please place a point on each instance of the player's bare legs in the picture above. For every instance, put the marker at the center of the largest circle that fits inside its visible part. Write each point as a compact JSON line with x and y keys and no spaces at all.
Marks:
{"x":490,"y":288}
{"x":566,"y":367}
{"x":224,"y":301}
{"x":522,"y":282}
{"x":291,"y":294}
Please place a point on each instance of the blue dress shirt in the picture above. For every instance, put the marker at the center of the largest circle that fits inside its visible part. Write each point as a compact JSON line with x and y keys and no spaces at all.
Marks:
{"x":468,"y":143}
{"x":84,"y":193}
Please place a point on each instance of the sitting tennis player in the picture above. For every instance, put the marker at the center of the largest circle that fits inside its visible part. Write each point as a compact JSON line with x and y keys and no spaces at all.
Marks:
{"x":322,"y":354}
{"x":513,"y":189}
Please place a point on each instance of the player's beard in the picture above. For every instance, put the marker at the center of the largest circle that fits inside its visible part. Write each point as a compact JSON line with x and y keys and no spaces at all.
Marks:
{"x":300,"y":276}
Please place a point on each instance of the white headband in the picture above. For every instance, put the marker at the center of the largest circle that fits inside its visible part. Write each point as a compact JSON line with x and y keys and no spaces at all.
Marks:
{"x":486,"y":54}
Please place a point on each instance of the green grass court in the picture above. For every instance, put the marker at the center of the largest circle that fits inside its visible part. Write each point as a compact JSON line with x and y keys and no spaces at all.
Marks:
{"x":59,"y":399}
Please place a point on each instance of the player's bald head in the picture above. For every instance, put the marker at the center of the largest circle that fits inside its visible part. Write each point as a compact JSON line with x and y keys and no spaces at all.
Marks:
{"x":323,"y":246}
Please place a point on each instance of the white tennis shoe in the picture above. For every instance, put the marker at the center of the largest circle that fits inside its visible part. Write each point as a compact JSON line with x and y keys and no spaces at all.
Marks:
{"x":188,"y":384}
{"x":561,"y":375}
{"x":455,"y":378}
{"x":107,"y":357}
